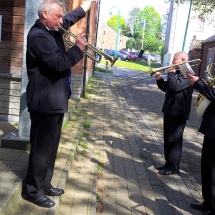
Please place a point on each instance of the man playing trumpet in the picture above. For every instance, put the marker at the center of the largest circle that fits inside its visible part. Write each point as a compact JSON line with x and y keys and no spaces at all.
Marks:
{"x":48,"y":91}
{"x":208,"y":148}
{"x":176,"y":109}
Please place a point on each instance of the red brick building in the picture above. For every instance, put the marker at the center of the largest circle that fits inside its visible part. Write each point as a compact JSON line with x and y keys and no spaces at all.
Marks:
{"x":207,"y":56}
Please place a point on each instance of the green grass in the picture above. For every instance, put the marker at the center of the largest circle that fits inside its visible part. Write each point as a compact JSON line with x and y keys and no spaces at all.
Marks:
{"x":75,"y":157}
{"x":58,"y":156}
{"x":142,"y":156}
{"x":81,"y":137}
{"x":97,"y":196}
{"x":16,"y":124}
{"x":85,"y":145}
{"x":134,"y":65}
{"x":90,"y":90}
{"x":73,"y":123}
{"x":99,"y":69}
{"x":86,"y":123}
{"x":65,"y":126}
{"x":28,"y":147}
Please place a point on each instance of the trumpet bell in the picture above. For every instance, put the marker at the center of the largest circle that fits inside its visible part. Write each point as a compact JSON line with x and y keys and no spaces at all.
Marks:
{"x":91,"y":47}
{"x":113,"y":60}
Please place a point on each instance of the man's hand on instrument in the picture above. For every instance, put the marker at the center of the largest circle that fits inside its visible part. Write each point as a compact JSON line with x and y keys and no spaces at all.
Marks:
{"x":81,"y":41}
{"x":192,"y":78}
{"x":171,"y":69}
{"x":158,"y":76}
{"x":86,"y":5}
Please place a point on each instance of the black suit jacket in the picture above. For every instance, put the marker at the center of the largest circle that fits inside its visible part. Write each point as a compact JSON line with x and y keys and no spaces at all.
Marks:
{"x":207,"y":126}
{"x":48,"y":66}
{"x":178,"y":94}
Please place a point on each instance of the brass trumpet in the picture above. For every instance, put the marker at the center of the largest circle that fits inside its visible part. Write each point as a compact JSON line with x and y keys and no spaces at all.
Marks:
{"x":152,"y":71}
{"x":91,"y":47}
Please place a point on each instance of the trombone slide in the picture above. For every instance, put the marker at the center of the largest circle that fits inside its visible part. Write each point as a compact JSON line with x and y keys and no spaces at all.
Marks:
{"x":195,"y":63}
{"x":152,"y":71}
{"x":116,"y":82}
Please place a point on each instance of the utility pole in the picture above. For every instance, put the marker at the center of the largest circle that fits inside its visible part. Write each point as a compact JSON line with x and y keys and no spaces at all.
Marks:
{"x":185,"y":34}
{"x":118,"y":27}
{"x":144,"y":23}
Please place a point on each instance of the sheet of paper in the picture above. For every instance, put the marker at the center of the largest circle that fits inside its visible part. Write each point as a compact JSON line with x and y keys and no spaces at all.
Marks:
{"x":186,"y":68}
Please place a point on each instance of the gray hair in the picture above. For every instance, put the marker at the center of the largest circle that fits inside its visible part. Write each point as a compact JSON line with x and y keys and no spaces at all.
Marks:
{"x":47,"y":5}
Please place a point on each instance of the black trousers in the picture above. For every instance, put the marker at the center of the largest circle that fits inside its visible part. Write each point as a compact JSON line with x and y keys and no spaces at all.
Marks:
{"x":173,"y":138}
{"x":208,"y":172}
{"x":44,"y":137}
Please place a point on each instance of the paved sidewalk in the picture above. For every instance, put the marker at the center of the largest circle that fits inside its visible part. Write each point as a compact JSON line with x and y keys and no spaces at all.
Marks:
{"x":13,"y":168}
{"x":125,"y":139}
{"x":126,"y":128}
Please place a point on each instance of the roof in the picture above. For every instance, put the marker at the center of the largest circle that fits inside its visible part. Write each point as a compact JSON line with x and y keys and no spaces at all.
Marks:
{"x":210,"y":39}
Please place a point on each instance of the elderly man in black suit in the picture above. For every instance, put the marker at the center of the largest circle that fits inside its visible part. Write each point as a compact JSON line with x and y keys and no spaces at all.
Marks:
{"x":176,"y":109}
{"x":48,"y":91}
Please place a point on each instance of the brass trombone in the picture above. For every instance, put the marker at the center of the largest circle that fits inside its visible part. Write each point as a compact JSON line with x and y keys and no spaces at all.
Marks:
{"x":192,"y":62}
{"x":152,"y":71}
{"x":91,"y":47}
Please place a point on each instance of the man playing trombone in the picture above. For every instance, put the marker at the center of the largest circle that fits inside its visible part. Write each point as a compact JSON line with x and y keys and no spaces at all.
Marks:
{"x":176,"y":109}
{"x":208,"y":147}
{"x":48,"y":91}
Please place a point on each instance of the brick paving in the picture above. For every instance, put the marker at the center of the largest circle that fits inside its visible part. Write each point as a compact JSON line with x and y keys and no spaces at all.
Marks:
{"x":125,"y":138}
{"x":136,"y":147}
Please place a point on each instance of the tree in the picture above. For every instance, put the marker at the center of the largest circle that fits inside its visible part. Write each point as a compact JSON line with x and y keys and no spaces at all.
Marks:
{"x":164,"y":25}
{"x":153,"y":21}
{"x":152,"y":44}
{"x":143,"y":26}
{"x":125,"y":30}
{"x":130,"y":43}
{"x":146,"y":24}
{"x":203,"y":8}
{"x":113,"y":22}
{"x":132,"y":18}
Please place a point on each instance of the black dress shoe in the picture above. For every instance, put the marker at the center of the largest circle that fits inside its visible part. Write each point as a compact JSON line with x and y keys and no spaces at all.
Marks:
{"x":167,"y":172}
{"x":199,"y":206}
{"x":160,"y":167}
{"x":44,"y":201}
{"x":54,"y":192}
